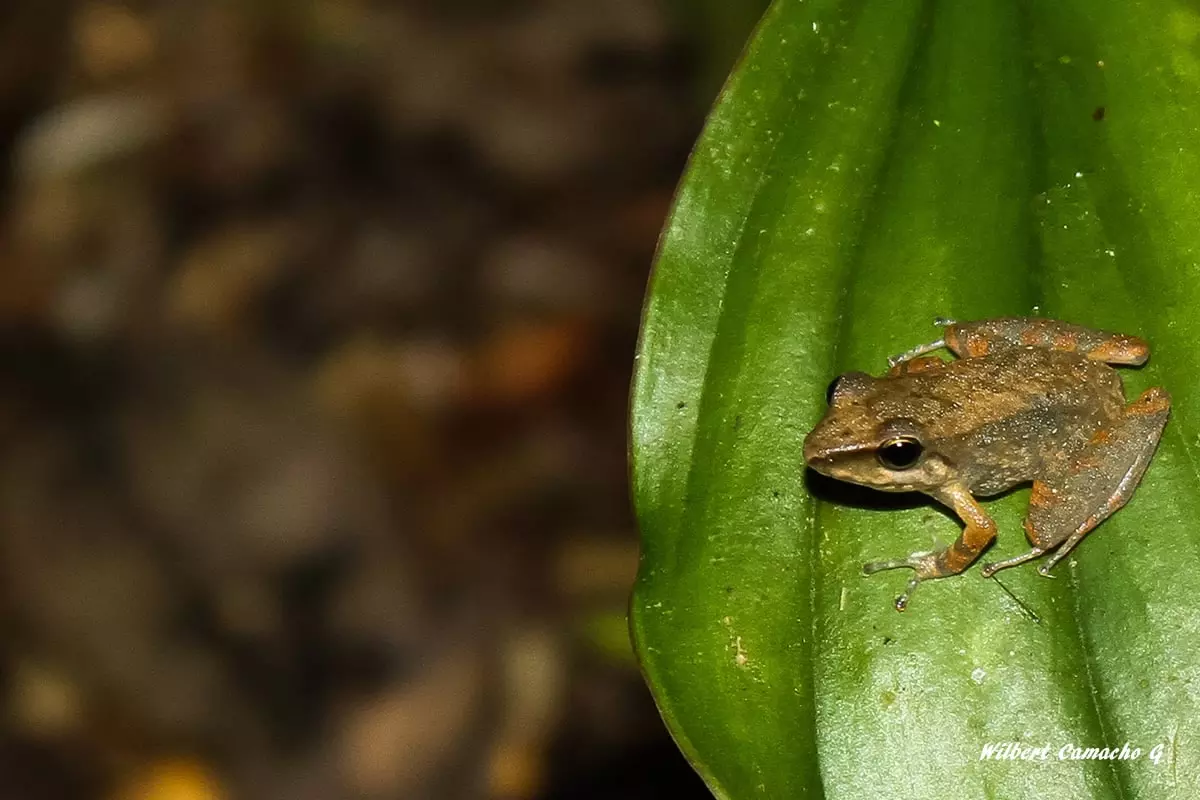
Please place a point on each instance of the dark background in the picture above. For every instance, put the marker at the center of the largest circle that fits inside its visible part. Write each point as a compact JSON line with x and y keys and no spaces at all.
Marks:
{"x":316,"y":328}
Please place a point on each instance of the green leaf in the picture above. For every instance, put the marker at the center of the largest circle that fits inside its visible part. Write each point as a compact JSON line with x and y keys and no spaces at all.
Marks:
{"x":871,"y":165}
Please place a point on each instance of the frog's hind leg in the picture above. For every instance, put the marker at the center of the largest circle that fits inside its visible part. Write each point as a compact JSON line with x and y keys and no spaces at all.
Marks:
{"x":975,"y":339}
{"x":1102,"y":478}
{"x":1042,"y":538}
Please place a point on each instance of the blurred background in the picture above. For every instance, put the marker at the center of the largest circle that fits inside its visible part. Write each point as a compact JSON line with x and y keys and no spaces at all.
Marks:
{"x":317,"y":321}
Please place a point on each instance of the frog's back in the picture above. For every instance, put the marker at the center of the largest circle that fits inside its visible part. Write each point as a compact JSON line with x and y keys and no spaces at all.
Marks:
{"x":965,"y":394}
{"x":999,"y":386}
{"x":1002,"y":417}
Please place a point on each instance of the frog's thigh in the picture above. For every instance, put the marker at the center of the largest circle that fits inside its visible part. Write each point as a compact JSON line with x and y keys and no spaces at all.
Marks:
{"x":974,"y":339}
{"x":1066,"y":507}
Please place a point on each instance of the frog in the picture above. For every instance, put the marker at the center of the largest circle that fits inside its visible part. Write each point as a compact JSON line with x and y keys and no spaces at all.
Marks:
{"x":1023,"y":400}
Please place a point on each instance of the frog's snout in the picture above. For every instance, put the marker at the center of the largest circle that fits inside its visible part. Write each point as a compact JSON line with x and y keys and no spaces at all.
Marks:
{"x":815,"y":455}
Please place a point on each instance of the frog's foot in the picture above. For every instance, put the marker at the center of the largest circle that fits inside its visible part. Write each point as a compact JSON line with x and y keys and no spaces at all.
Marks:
{"x":1044,"y":569}
{"x":923,"y":564}
{"x":993,"y":567}
{"x":919,"y":350}
{"x":922,"y":349}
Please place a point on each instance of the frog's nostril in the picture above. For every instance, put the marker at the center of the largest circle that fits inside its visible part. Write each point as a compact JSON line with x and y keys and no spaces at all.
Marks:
{"x":816,"y":456}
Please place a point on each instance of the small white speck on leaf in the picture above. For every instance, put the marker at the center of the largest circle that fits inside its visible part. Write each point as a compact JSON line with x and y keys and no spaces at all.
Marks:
{"x":740,"y":658}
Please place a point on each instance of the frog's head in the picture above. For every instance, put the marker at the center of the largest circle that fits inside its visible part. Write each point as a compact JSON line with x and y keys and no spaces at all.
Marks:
{"x":861,"y":440}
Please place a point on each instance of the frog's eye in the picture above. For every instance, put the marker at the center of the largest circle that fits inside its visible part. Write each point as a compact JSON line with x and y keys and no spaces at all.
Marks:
{"x":900,"y":453}
{"x":833,"y":384}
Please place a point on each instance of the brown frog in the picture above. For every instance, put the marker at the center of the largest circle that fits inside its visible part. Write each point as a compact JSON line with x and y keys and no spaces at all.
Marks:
{"x":1026,"y":400}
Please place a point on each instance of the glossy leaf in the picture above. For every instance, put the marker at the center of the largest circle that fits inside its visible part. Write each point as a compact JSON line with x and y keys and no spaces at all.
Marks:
{"x":872,"y":165}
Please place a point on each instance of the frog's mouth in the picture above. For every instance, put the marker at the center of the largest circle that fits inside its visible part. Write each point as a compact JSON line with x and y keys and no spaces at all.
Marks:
{"x":834,"y":462}
{"x":824,"y":458}
{"x":858,"y":464}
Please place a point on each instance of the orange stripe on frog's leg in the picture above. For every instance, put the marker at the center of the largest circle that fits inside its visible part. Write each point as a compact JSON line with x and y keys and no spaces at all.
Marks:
{"x":1042,"y":495}
{"x":1154,"y":400}
{"x":977,"y":346}
{"x":979,"y":532}
{"x":981,"y":337}
{"x":975,"y":339}
{"x":1065,"y":340}
{"x":964,"y":344}
{"x":1119,"y":349}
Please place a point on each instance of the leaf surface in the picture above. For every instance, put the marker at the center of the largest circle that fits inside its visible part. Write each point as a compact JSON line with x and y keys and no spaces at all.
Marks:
{"x":872,"y":165}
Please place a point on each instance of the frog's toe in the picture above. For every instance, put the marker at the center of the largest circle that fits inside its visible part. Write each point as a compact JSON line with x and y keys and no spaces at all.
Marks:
{"x":920,"y":562}
{"x":924,"y":564}
{"x":902,"y":601}
{"x":992,"y":567}
{"x":871,"y":567}
{"x":1044,"y":571}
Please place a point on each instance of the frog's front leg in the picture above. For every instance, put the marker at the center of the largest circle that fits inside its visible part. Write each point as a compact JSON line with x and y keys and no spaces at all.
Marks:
{"x":979,"y":532}
{"x":897,"y":361}
{"x":1066,"y":507}
{"x":975,"y":339}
